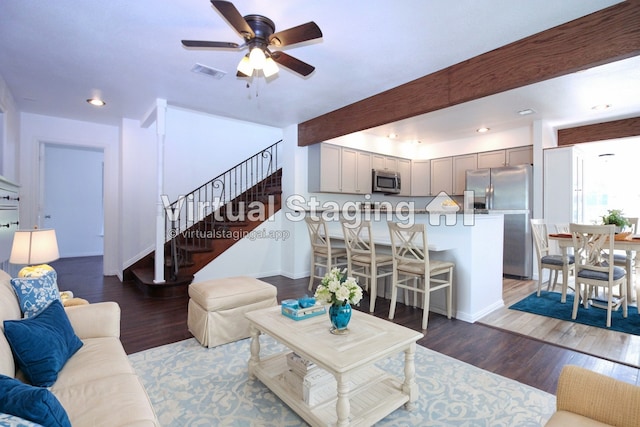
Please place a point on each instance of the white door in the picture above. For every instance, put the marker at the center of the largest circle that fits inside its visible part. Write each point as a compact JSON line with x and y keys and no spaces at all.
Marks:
{"x":72,"y":198}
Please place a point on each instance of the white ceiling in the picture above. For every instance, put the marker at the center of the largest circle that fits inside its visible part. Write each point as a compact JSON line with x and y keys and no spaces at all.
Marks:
{"x":55,"y":55}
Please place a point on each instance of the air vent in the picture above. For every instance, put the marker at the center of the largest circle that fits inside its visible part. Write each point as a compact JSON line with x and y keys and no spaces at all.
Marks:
{"x":203,"y":69}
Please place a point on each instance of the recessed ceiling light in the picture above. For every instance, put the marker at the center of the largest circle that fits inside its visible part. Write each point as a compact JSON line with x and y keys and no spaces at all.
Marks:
{"x":526,"y":111}
{"x":482,"y":130}
{"x":96,"y":102}
{"x":601,"y":107}
{"x":392,"y":136}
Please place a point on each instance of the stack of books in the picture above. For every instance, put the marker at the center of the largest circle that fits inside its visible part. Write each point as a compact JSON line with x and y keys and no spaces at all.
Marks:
{"x":308,"y":381}
{"x":292,"y":309}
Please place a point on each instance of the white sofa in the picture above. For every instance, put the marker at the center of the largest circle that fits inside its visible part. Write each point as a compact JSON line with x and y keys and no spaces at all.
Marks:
{"x":97,"y":386}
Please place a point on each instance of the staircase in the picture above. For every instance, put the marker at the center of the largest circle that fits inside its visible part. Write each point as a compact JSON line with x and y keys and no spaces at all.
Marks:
{"x":209,"y":220}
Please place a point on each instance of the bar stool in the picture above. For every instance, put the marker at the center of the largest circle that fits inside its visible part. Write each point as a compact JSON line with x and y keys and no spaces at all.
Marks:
{"x":323,"y":255}
{"x":362,"y":259}
{"x":411,"y":260}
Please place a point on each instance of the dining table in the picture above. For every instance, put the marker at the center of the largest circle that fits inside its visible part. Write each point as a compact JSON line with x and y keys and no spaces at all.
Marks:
{"x":630,"y":244}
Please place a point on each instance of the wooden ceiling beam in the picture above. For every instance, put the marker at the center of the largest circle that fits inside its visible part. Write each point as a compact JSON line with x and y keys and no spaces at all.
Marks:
{"x":609,"y":35}
{"x":600,"y":131}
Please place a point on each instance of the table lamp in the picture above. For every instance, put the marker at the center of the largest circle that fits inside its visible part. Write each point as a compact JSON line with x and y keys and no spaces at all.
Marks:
{"x":31,"y":247}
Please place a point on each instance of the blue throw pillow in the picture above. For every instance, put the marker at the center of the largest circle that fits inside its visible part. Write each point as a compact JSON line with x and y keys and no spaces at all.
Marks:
{"x":35,"y":293}
{"x":31,"y":403}
{"x":42,"y":344}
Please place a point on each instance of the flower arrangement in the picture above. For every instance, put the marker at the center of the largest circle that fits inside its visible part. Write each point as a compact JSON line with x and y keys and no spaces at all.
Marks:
{"x":338,"y":289}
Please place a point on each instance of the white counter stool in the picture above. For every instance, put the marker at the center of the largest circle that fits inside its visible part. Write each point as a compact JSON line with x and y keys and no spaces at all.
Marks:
{"x":411,"y":260}
{"x":324,"y":256}
{"x":216,"y":312}
{"x":362,"y":259}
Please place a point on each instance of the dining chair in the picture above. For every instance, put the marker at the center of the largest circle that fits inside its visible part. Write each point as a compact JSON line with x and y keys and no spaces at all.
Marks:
{"x":595,"y":269}
{"x":620,"y":259}
{"x":550,"y":261}
{"x":324,"y":256}
{"x":362,"y":259}
{"x":411,"y":261}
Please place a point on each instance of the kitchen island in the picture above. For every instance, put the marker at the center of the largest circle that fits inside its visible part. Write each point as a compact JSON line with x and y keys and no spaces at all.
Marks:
{"x":474,"y":244}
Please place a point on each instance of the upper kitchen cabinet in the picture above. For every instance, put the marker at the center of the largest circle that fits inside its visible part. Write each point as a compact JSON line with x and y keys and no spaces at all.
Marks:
{"x":404,"y":169}
{"x":385,"y":163}
{"x":460,"y":166}
{"x":336,"y":169}
{"x":442,"y":175}
{"x":355,"y":171}
{"x":324,"y":161}
{"x":508,"y":157}
{"x":492,"y":159}
{"x":519,"y":156}
{"x":421,"y":178}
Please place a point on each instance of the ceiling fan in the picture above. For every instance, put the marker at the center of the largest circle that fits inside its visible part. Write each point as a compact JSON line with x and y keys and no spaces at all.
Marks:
{"x":259,"y":34}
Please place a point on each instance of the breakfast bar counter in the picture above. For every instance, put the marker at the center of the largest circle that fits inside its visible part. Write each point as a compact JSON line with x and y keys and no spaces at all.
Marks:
{"x":474,"y":243}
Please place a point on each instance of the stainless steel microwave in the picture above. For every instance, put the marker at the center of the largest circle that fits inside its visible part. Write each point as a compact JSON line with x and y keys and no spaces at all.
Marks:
{"x":385,"y":182}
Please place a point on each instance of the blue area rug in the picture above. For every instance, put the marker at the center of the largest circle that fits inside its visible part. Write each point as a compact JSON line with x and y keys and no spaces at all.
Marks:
{"x":548,"y":304}
{"x":193,"y":386}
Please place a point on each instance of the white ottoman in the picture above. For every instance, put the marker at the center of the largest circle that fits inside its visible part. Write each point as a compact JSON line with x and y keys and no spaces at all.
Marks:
{"x":217,"y":308}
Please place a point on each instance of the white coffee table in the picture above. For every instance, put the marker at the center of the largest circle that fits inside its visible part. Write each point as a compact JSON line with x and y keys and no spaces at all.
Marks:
{"x":365,"y":394}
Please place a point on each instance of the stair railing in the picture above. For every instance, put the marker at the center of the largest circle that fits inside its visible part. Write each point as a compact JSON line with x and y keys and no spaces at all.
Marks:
{"x":192,"y":222}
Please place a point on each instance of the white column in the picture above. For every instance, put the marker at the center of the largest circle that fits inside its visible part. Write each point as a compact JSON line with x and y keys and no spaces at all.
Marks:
{"x":161,"y":111}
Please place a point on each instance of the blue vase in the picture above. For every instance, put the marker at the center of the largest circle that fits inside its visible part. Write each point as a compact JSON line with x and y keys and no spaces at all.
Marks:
{"x":340,"y":315}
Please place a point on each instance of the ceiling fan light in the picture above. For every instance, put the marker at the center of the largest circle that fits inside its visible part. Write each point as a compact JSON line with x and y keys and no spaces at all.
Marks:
{"x":270,"y":67}
{"x":245,"y":66}
{"x":257,"y":58}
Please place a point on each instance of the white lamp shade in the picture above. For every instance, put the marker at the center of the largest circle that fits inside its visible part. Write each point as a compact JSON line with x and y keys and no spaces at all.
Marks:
{"x":245,"y":66}
{"x":270,"y":67}
{"x":34,"y":247}
{"x":257,"y":58}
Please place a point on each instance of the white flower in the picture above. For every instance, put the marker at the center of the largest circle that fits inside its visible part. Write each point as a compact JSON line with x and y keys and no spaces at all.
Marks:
{"x":336,"y":288}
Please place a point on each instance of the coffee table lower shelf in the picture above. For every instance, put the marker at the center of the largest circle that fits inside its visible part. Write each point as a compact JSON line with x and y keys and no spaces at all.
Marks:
{"x":370,"y":400}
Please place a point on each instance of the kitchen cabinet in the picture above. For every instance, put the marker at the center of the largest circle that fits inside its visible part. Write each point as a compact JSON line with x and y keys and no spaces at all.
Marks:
{"x":336,"y":169}
{"x":508,"y":157}
{"x":564,"y":195}
{"x":519,"y":156}
{"x":382,"y":162}
{"x":460,"y":166}
{"x":324,"y":162}
{"x":492,"y":159}
{"x":421,"y":178}
{"x":355,"y":171}
{"x":442,"y":175}
{"x":404,"y":169}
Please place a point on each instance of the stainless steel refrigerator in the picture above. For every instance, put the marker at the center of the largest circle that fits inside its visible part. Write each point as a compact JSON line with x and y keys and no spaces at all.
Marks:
{"x":508,"y":190}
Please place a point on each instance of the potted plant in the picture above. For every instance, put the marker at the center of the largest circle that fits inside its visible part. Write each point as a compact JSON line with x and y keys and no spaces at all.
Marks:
{"x":615,"y":217}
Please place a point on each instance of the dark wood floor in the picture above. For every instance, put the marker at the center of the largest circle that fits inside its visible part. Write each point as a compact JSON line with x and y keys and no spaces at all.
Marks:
{"x":148,"y":322}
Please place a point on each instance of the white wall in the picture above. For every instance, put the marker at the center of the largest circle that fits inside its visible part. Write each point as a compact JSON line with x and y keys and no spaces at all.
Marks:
{"x":10,"y":138}
{"x":36,"y":130}
{"x":137,"y":191}
{"x":200,"y":146}
{"x":481,"y":142}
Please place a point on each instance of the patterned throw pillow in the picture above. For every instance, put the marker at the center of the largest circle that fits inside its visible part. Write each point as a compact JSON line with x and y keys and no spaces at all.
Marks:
{"x":35,"y":293}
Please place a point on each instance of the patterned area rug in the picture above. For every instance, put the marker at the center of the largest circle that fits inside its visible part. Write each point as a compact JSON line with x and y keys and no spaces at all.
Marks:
{"x":190,"y":385}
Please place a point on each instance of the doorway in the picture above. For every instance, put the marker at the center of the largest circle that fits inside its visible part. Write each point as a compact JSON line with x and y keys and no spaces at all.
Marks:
{"x":72,"y":199}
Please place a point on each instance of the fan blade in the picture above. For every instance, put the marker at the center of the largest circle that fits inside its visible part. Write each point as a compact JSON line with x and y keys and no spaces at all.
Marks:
{"x":301,"y":33}
{"x":200,"y":43}
{"x":233,"y":17}
{"x":292,"y":63}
